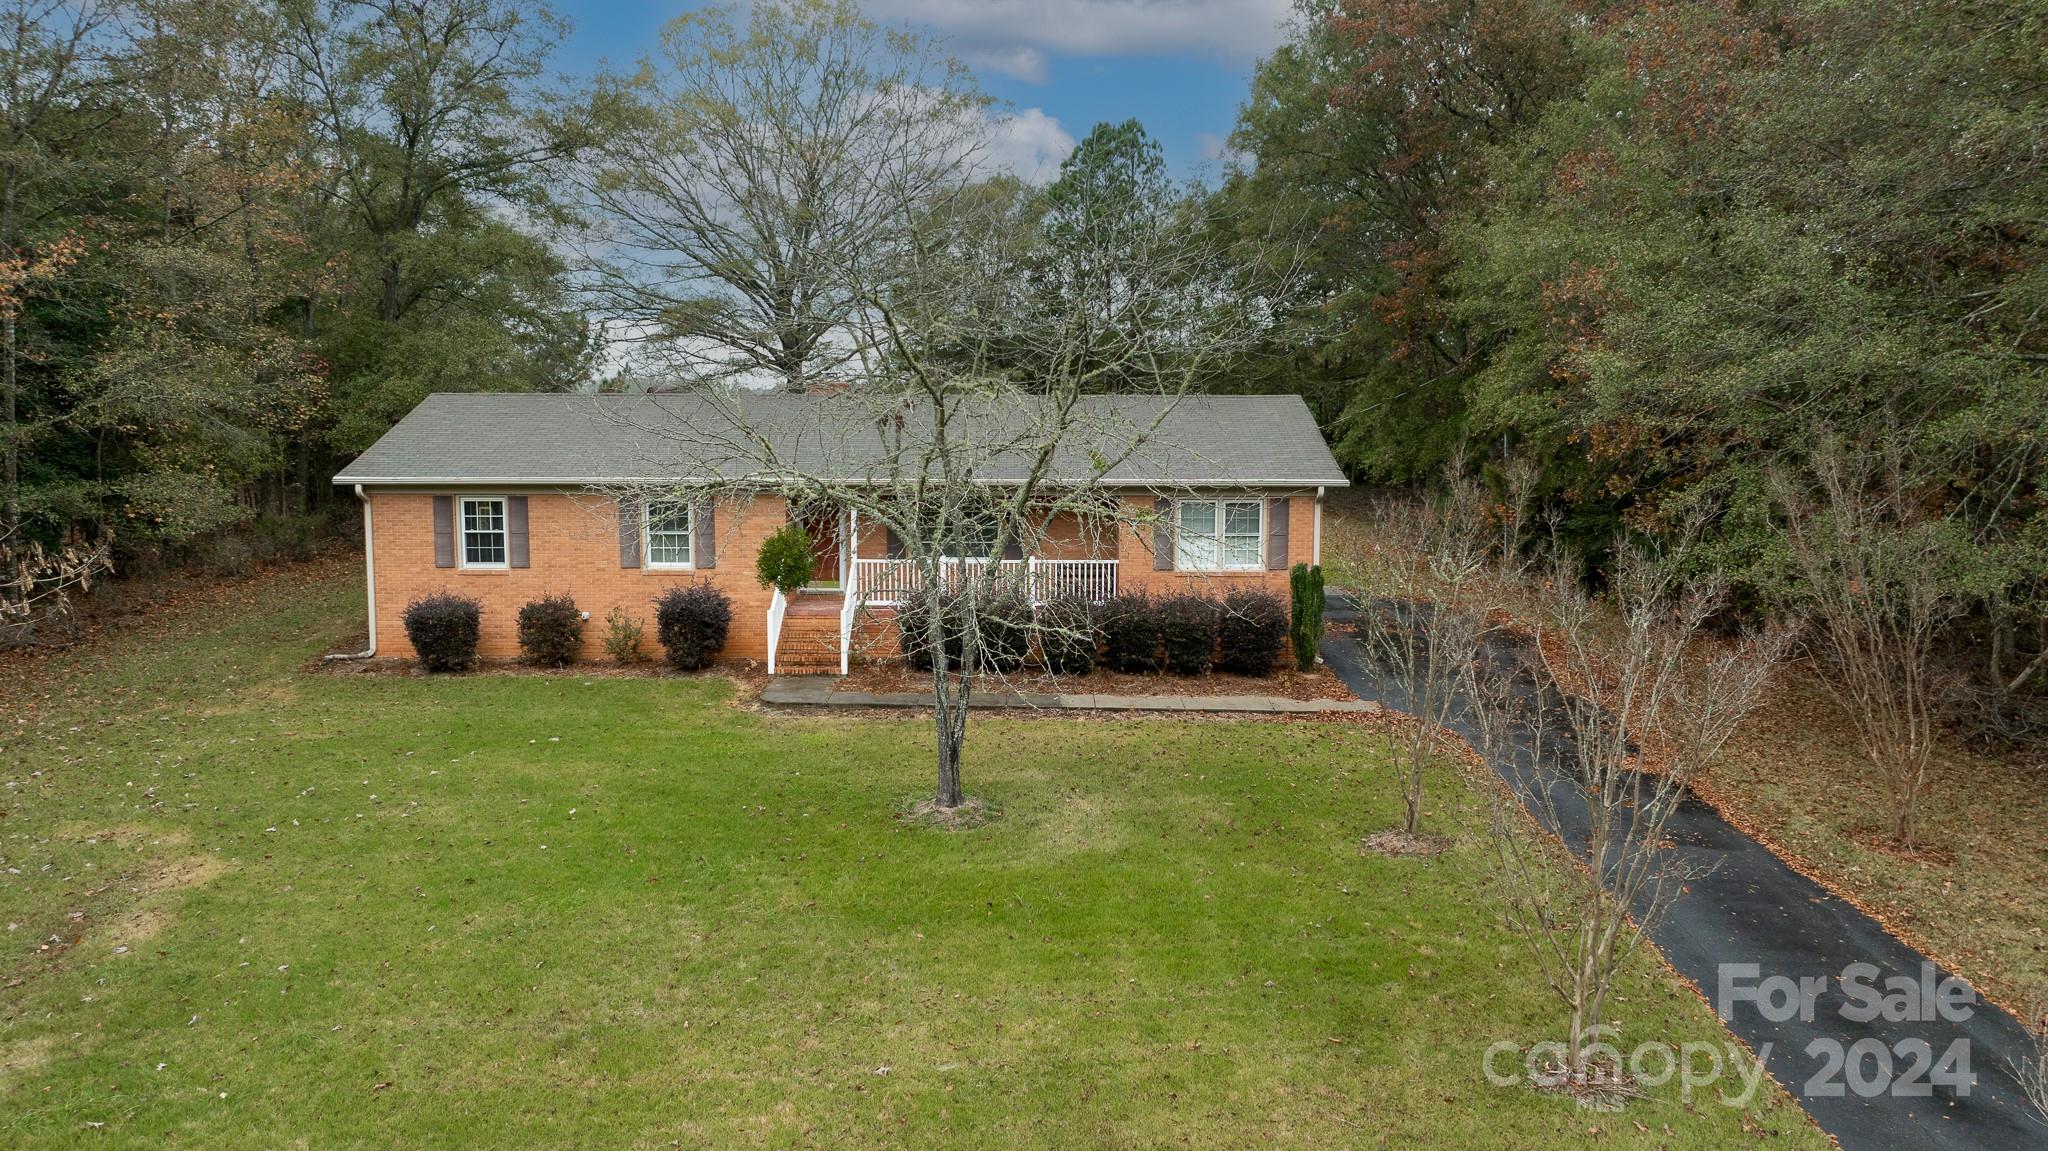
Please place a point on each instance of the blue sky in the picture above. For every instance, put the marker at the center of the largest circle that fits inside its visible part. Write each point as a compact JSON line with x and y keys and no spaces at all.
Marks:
{"x":1181,"y":67}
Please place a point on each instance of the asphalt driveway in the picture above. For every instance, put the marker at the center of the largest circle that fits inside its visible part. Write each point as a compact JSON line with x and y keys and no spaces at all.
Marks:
{"x":1867,"y":1083}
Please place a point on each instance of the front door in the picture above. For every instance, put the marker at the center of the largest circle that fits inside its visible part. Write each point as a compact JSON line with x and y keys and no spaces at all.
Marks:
{"x":822,"y":525}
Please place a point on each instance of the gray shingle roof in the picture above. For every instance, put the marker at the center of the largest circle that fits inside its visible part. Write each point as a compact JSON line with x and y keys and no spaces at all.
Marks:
{"x":470,"y":438}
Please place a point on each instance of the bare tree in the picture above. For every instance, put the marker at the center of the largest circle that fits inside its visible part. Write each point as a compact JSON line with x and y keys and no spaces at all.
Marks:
{"x":936,"y":433}
{"x":1619,"y":705}
{"x":2032,"y":1069}
{"x":1421,"y":623}
{"x":748,"y":165}
{"x":1876,"y":572}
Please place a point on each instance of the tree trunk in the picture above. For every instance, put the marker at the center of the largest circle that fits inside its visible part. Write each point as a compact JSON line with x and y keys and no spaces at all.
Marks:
{"x":951,"y":716}
{"x":1906,"y":824}
{"x":389,"y":308}
{"x":10,"y":481}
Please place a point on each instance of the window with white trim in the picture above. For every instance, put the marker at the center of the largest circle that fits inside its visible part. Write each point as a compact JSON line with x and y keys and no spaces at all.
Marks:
{"x":483,"y":532}
{"x":1220,"y":535}
{"x":668,"y":535}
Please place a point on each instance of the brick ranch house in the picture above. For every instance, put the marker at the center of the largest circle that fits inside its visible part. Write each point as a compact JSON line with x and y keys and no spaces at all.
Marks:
{"x":507,"y":497}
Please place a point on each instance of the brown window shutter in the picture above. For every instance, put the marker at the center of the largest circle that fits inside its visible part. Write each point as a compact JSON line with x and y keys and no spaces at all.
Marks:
{"x":892,"y":545}
{"x":629,"y":533}
{"x":516,"y":552}
{"x":1276,"y":533}
{"x":1162,"y":535}
{"x":704,"y":535}
{"x":1014,"y":550}
{"x":444,"y":531}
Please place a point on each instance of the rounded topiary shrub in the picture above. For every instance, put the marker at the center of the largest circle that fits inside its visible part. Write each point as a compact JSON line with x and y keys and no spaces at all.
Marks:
{"x":1187,"y":633}
{"x":1130,"y":634}
{"x":443,"y":628}
{"x":786,"y":560}
{"x":1251,"y":633}
{"x":691,"y":624}
{"x":1068,"y":637}
{"x":550,"y":631}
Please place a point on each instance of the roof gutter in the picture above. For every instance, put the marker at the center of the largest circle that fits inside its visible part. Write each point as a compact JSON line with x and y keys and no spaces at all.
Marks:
{"x":369,"y":581}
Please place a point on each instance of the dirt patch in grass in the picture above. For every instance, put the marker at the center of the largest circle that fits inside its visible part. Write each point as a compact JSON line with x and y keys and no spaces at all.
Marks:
{"x":1285,"y":683}
{"x":28,"y":1055}
{"x":1400,"y":844}
{"x":971,"y":813}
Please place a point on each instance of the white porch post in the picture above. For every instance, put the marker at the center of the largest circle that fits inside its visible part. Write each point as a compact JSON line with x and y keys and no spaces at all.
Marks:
{"x":1316,"y":551}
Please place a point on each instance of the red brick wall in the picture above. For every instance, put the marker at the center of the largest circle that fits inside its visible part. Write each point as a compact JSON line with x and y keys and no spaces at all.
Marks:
{"x":1134,"y":556}
{"x":574,"y":546}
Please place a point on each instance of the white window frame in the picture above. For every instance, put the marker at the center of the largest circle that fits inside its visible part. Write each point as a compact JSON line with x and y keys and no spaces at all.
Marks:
{"x":462,"y":532}
{"x":689,"y":534}
{"x":1218,"y":536}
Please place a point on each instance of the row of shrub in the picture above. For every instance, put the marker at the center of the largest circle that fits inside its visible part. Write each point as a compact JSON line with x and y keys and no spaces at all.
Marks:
{"x":1243,"y":633}
{"x":690,"y":623}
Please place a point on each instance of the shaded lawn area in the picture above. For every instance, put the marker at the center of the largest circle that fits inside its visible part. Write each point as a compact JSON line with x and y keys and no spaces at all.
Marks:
{"x":541,"y":911}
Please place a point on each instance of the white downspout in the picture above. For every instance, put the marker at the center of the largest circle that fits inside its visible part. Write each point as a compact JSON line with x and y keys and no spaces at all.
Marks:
{"x":369,"y":582}
{"x":1316,"y":554}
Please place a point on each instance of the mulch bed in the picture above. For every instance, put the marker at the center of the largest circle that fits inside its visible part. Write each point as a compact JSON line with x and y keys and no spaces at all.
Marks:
{"x":1286,"y":683}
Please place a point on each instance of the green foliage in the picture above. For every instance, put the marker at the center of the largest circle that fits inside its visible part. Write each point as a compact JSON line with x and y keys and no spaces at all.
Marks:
{"x":1305,"y":630}
{"x":622,"y":634}
{"x":1251,"y":633}
{"x":443,"y":628}
{"x":786,"y":560}
{"x":252,"y":236}
{"x":550,"y":631}
{"x":692,"y":624}
{"x":1130,"y":634}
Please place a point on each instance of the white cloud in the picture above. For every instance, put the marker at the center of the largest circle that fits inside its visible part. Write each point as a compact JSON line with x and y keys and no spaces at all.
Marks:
{"x":1028,"y":144}
{"x":1021,"y":61}
{"x":1011,"y":36}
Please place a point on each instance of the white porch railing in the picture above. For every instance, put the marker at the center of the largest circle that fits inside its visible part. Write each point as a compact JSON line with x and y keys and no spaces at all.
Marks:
{"x":886,"y":582}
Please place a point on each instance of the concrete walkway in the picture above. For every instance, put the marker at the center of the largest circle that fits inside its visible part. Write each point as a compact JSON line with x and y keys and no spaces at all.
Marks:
{"x":819,"y":691}
{"x":1750,"y":908}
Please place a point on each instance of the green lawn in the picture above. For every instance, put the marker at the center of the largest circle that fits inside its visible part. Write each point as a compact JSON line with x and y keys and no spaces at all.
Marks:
{"x":545,"y":911}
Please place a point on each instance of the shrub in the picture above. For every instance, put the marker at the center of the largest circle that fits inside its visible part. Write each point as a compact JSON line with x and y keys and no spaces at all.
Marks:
{"x":550,"y":631}
{"x":1005,"y":630}
{"x":1130,"y":634}
{"x":691,"y":623}
{"x":443,"y":629}
{"x":1306,"y":582}
{"x":622,"y":633}
{"x":913,"y":617}
{"x":1068,"y":637}
{"x":1252,"y":632}
{"x":1006,"y":627}
{"x":785,"y":561}
{"x":1187,"y":633}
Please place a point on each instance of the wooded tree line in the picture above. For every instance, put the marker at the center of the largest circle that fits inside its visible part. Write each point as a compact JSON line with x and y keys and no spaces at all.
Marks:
{"x":240,"y":239}
{"x":1788,"y":259}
